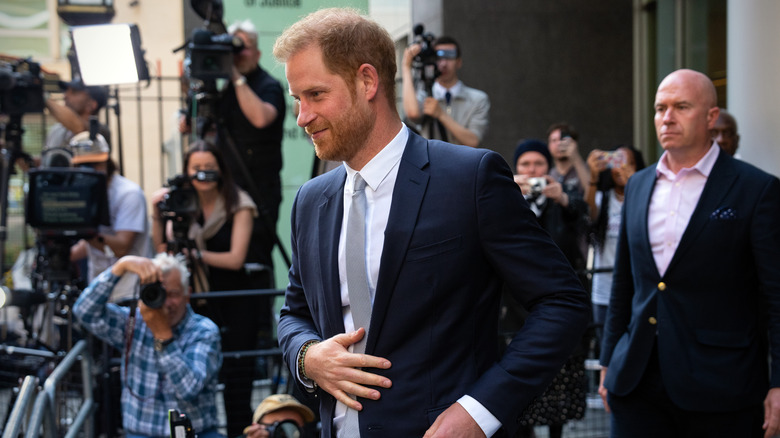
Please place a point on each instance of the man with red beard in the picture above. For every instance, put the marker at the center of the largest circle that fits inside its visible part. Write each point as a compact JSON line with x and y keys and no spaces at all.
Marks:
{"x":400,"y":255}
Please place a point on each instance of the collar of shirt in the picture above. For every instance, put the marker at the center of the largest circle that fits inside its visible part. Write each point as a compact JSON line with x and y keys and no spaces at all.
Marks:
{"x":439,"y":91}
{"x":376,"y":170}
{"x":703,"y":166}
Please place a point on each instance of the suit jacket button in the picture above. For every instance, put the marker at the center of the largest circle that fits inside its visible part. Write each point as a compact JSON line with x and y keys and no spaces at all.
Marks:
{"x":662,"y":286}
{"x":652,"y":320}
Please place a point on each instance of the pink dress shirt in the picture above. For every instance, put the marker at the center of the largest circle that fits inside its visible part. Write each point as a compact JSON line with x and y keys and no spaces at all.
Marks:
{"x":674,"y":198}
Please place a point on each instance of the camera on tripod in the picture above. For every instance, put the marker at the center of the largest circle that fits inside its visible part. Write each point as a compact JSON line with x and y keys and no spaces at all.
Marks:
{"x":210,"y":56}
{"x":179,"y":206}
{"x":21,"y":87}
{"x":64,"y":205}
{"x":211,"y":49}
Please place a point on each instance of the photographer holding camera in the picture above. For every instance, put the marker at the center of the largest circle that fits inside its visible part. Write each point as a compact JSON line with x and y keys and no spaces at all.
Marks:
{"x":609,"y":173}
{"x":460,"y":111}
{"x":220,"y":233}
{"x":560,"y":212}
{"x":170,"y":355}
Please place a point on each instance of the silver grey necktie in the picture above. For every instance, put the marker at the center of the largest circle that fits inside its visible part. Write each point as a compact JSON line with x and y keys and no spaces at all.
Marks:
{"x":357,"y":284}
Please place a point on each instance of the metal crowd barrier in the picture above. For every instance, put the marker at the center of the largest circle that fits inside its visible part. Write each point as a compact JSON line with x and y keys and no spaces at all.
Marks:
{"x":44,"y":413}
{"x":268,"y":352}
{"x":19,"y":411}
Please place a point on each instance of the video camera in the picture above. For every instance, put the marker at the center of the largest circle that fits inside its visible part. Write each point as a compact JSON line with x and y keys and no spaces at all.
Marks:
{"x":210,"y":56}
{"x":180,"y":206}
{"x":211,"y":49}
{"x":64,"y":205}
{"x":21,"y":87}
{"x":181,"y":201}
{"x":424,"y":63}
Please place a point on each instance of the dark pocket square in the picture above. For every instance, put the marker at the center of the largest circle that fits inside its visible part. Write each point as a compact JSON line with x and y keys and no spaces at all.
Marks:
{"x":724,"y":214}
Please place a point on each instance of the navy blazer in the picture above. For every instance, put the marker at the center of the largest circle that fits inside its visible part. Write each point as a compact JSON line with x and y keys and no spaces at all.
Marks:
{"x":711,"y":309}
{"x":458,"y":230}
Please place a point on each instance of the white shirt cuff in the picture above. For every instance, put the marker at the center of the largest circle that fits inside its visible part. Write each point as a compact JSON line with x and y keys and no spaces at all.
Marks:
{"x":485,"y":420}
{"x":307,"y":383}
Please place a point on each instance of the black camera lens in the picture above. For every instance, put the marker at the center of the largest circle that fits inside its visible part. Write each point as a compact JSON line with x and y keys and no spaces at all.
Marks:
{"x":206,"y":175}
{"x":284,"y":429}
{"x":153,"y":295}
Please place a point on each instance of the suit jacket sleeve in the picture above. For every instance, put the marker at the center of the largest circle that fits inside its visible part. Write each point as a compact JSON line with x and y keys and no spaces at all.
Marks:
{"x":541,"y":279}
{"x":622,"y":294}
{"x":766,"y":252}
{"x":296,"y":324}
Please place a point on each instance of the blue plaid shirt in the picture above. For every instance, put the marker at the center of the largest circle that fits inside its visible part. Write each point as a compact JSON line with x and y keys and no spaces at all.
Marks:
{"x":183,"y":376}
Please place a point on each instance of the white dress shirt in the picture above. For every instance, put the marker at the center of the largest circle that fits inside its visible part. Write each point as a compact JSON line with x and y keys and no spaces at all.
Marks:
{"x":380,"y":175}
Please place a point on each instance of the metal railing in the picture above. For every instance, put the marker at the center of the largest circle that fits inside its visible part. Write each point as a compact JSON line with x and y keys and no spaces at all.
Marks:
{"x":22,"y":405}
{"x":44,"y":413}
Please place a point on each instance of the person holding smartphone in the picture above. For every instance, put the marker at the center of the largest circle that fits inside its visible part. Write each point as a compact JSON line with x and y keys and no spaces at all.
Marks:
{"x":569,"y":168}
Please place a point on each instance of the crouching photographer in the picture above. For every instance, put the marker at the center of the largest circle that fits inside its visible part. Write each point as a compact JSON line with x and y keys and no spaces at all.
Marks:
{"x":170,"y":355}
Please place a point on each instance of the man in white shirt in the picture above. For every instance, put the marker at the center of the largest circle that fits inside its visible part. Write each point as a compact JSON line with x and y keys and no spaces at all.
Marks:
{"x":434,"y":233}
{"x":452,"y":112}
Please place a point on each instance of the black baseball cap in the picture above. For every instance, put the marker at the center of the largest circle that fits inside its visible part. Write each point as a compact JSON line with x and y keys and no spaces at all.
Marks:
{"x":98,"y":93}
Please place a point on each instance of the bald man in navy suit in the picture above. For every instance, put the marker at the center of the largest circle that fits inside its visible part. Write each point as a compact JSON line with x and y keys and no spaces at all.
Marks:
{"x":695,"y":305}
{"x":446,"y":229}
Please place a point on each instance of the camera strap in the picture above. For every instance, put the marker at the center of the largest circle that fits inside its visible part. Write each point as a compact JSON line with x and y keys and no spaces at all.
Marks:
{"x":129,"y":335}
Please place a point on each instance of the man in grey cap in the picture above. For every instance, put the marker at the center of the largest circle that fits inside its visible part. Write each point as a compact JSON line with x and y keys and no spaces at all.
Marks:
{"x":81,"y":102}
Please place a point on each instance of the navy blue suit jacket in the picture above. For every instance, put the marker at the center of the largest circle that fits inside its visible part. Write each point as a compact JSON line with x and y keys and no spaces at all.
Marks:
{"x":458,"y":229}
{"x":711,"y":309}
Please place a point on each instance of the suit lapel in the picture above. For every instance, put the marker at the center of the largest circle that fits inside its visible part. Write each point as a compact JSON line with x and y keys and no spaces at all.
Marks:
{"x":718,"y":184}
{"x":330,"y":216}
{"x":644,"y":192}
{"x":408,"y":194}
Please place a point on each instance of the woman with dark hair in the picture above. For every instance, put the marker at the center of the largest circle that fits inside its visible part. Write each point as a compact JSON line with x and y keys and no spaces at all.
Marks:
{"x":221,"y":232}
{"x":609,"y":173}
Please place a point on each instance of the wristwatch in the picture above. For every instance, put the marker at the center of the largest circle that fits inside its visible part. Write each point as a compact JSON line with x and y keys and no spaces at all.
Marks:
{"x":240,"y":81}
{"x":160,"y":344}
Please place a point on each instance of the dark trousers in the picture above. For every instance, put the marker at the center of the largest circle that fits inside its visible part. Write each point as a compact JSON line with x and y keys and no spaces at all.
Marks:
{"x":649,"y":412}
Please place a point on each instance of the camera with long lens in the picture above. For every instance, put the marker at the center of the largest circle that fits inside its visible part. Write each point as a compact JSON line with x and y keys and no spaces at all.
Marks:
{"x":284,"y":429}
{"x":21,"y":87}
{"x":424,"y":63}
{"x":153,"y":295}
